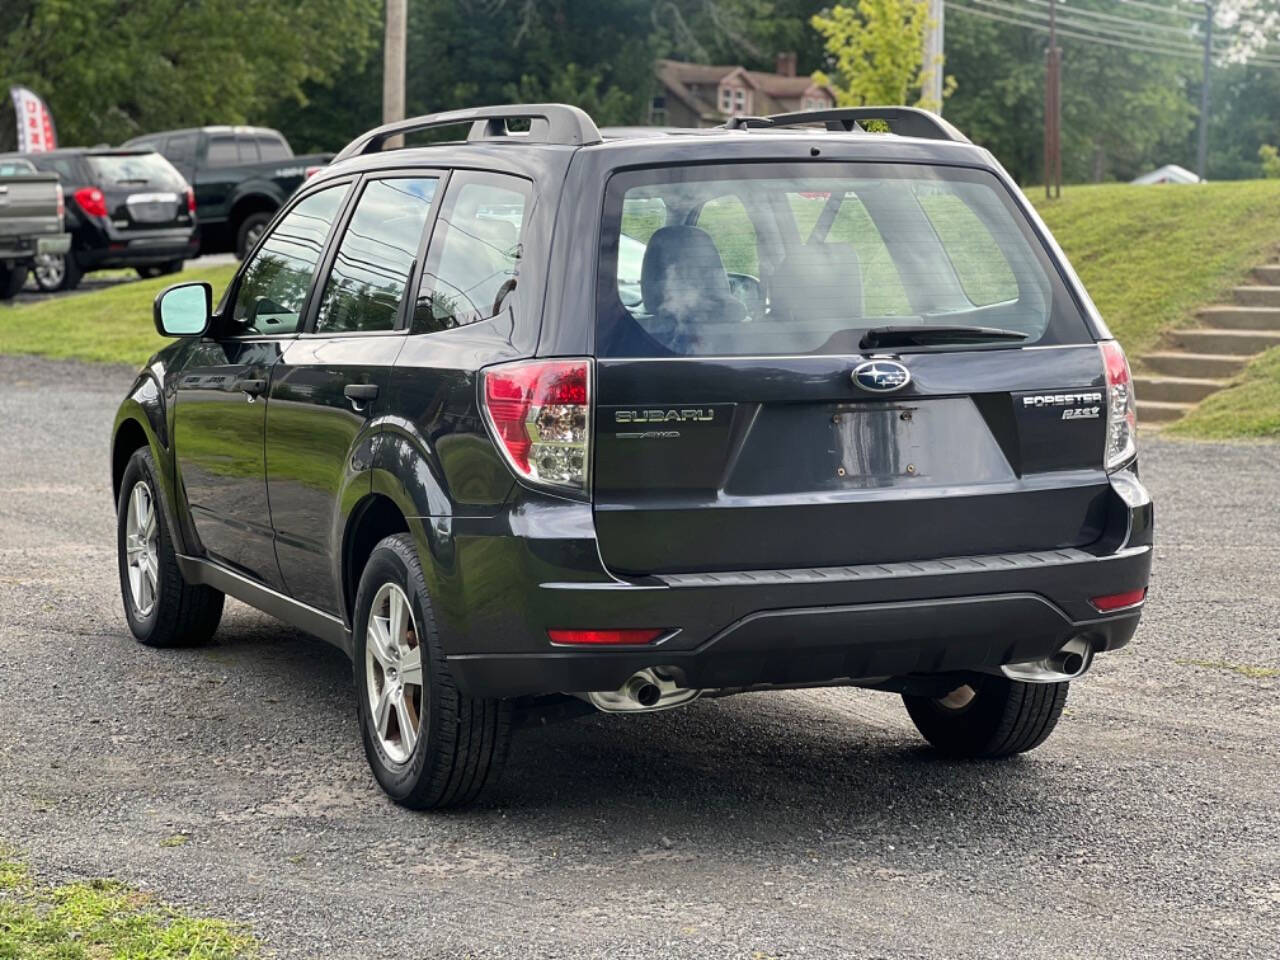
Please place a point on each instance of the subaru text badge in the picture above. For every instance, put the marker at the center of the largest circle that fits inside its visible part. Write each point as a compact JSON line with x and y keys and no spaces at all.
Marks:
{"x":881,"y":376}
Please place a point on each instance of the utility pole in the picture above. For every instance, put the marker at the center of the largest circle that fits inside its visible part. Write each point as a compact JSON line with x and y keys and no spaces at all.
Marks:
{"x":393,"y":68}
{"x":1202,"y":148}
{"x":1053,"y":109}
{"x":933,"y":55}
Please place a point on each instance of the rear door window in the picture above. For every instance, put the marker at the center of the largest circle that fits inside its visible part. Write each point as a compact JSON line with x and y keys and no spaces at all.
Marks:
{"x":274,"y":285}
{"x":806,"y":258}
{"x":222,"y":151}
{"x":473,"y":264}
{"x":376,"y":256}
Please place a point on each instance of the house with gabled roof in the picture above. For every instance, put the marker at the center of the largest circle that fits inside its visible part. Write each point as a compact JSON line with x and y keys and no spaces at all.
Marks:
{"x":700,"y":95}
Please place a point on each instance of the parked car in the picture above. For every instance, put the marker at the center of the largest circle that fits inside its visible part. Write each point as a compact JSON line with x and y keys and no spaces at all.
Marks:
{"x":31,"y":222}
{"x":862,"y":426}
{"x":241,"y":176}
{"x":124,"y":208}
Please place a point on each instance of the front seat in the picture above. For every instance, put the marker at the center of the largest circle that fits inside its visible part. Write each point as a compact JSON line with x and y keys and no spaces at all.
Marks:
{"x":685,"y":287}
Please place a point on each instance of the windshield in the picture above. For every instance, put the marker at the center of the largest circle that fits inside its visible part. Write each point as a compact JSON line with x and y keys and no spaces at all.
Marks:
{"x":135,"y":169}
{"x":806,"y":258}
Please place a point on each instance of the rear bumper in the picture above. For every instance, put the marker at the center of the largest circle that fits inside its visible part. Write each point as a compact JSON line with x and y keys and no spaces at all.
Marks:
{"x":152,"y":247}
{"x":783,"y":627}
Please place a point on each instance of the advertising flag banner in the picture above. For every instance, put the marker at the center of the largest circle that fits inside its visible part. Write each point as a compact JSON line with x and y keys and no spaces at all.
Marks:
{"x":36,"y":133}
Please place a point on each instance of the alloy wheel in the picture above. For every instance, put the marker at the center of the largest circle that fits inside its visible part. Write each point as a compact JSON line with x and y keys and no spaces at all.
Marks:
{"x":393,"y":673}
{"x":50,"y":270}
{"x":142,"y":548}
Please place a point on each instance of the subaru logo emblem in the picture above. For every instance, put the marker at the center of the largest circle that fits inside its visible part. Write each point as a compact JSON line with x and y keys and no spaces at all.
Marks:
{"x":881,"y":376}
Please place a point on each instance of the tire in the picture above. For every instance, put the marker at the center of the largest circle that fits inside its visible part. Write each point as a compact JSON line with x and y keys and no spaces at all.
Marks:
{"x":12,"y":280}
{"x":159,"y":269}
{"x":60,"y":272}
{"x":249,"y":232}
{"x":1003,"y":717}
{"x":461,"y":741}
{"x":173,"y":613}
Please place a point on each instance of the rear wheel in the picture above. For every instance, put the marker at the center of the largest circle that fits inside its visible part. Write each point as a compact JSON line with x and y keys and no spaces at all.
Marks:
{"x":250,"y":232}
{"x":163,"y":610}
{"x":989,"y":716}
{"x":429,"y":744}
{"x":12,"y":280}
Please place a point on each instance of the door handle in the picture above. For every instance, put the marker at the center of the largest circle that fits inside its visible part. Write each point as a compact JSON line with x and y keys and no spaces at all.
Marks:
{"x":361,"y":392}
{"x":252,"y":387}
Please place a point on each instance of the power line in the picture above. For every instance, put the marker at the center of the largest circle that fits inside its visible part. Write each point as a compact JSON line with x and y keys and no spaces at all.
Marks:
{"x":1075,"y":29}
{"x":1140,"y":46}
{"x":1127,"y":21}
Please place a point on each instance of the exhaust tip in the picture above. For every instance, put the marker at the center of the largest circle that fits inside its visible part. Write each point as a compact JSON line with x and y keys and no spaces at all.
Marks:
{"x":1072,"y":663}
{"x":643,"y":692}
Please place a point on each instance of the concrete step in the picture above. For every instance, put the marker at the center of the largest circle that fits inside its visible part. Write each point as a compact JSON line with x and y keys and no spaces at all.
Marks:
{"x":1175,"y":389}
{"x":1268,"y":273}
{"x":1152,"y":411}
{"x":1243,"y":343}
{"x":1243,"y":317}
{"x":1172,"y":363}
{"x":1258,"y":295}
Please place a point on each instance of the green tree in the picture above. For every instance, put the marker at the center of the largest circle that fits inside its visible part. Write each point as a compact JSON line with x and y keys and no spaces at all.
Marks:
{"x":167,"y":63}
{"x":876,"y":48}
{"x":1270,"y":158}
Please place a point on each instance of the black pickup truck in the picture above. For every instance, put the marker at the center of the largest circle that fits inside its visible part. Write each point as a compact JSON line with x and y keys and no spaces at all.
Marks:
{"x":241,"y":177}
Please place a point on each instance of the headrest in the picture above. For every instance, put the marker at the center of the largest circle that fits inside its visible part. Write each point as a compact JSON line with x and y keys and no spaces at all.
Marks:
{"x":683,"y":276}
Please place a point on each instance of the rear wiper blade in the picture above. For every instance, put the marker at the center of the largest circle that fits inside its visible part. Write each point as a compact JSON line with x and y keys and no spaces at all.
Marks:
{"x":919,"y":336}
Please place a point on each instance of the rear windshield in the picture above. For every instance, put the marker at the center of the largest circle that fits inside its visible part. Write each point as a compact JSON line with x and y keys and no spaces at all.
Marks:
{"x":135,"y":170}
{"x":769,"y":259}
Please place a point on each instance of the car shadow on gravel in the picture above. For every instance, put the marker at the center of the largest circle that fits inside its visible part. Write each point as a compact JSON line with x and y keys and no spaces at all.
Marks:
{"x":766,"y":768}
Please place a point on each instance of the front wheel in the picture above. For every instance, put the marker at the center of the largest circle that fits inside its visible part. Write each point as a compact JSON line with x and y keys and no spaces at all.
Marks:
{"x":57,"y":271}
{"x":429,"y":744}
{"x":163,"y":610}
{"x":989,"y":716}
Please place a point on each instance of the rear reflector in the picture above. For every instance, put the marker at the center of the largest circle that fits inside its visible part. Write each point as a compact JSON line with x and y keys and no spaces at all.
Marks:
{"x":1118,"y":601}
{"x":598,"y":637}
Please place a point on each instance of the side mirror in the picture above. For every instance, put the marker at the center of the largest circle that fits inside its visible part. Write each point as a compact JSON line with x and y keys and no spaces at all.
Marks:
{"x":184,"y":310}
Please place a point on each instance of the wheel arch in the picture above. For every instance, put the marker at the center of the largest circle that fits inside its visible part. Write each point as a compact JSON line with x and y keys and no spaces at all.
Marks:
{"x":130,"y":436}
{"x":375,"y":517}
{"x":248,"y":203}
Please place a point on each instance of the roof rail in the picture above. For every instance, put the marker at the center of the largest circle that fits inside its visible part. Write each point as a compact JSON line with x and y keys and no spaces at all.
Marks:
{"x":904,"y":121}
{"x":556,"y":123}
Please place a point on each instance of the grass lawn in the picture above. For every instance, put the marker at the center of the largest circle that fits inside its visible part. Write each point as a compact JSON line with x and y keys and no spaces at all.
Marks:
{"x":1149,"y":256}
{"x":1251,"y":409}
{"x":101,"y":919}
{"x":106,"y":326}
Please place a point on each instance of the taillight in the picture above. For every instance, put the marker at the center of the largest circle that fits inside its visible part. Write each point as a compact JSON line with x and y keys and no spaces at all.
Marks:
{"x":604,"y":637}
{"x":540,"y":414}
{"x":91,"y":201}
{"x":1118,"y":601}
{"x":1122,"y":408}
{"x":62,"y":201}
{"x":191,"y":201}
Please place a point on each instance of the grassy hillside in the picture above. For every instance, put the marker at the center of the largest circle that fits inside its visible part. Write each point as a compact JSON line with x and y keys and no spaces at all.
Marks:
{"x":112,"y":325}
{"x":1249,"y":410}
{"x":1150,"y":255}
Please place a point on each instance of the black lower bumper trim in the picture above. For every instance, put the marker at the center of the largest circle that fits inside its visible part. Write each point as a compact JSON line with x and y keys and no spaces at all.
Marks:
{"x":857,"y":642}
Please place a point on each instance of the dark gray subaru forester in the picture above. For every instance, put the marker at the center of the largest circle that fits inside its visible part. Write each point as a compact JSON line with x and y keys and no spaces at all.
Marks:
{"x":548,"y":420}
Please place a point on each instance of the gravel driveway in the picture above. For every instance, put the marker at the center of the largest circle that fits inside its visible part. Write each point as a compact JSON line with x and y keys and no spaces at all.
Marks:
{"x":813,"y":824}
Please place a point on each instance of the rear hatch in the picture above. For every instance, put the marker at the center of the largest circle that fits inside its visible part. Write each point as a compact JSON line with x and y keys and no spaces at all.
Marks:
{"x":814,"y":365}
{"x":30,"y":205}
{"x":142,"y":191}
